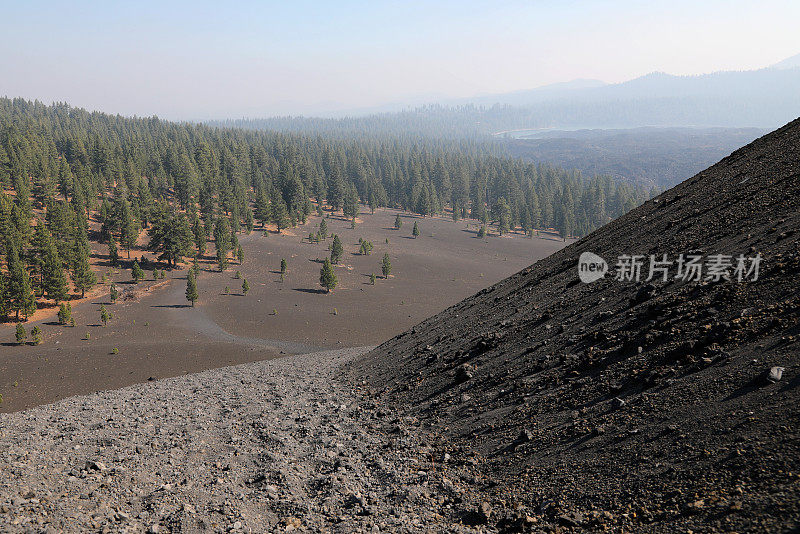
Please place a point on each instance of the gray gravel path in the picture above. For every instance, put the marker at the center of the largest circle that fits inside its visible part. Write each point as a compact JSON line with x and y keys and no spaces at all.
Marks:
{"x":273,"y":446}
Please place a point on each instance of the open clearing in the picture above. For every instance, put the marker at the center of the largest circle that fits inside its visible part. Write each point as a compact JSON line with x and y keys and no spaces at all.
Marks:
{"x":157,"y":334}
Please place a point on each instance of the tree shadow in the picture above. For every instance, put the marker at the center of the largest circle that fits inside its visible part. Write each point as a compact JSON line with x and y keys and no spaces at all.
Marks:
{"x":309,"y":290}
{"x":315,"y":260}
{"x":174,"y":306}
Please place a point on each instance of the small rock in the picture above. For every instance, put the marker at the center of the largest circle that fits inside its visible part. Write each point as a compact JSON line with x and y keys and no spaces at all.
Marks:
{"x":92,"y":465}
{"x":525,"y":436}
{"x":464,"y":373}
{"x":571,"y":519}
{"x":775,"y":374}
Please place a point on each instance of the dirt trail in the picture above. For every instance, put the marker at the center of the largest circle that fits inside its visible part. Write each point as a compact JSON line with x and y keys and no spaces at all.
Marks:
{"x":268,"y":446}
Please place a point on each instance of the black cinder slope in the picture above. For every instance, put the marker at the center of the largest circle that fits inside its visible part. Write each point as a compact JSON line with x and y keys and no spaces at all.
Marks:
{"x":642,"y":406}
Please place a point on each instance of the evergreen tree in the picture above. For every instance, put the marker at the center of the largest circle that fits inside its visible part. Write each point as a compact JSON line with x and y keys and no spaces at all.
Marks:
{"x":398,"y":222}
{"x":336,"y":249}
{"x":129,"y":228}
{"x":323,"y":230}
{"x":20,"y":334}
{"x":415,"y":230}
{"x":245,"y":287}
{"x":222,"y":242}
{"x":105,"y":316}
{"x":191,"y":287}
{"x":239,"y":254}
{"x":20,"y":292}
{"x":54,"y":280}
{"x":278,"y":212}
{"x":171,"y":236}
{"x":113,"y":293}
{"x":64,"y":313}
{"x":350,"y":205}
{"x":137,"y":273}
{"x":386,"y":266}
{"x":36,"y":335}
{"x":113,"y":253}
{"x":283,"y":265}
{"x":327,"y":278}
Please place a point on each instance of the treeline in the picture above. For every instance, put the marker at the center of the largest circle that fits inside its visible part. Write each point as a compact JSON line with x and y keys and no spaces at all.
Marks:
{"x":185,"y":183}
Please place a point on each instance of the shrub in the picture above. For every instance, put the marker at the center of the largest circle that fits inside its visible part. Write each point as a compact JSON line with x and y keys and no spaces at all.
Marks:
{"x":20,"y":334}
{"x":36,"y":335}
{"x":115,"y":350}
{"x":64,"y":313}
{"x":136,"y":272}
{"x":105,"y":316}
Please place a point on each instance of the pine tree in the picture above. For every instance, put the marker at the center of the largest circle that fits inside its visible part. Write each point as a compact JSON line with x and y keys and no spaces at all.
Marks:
{"x":327,"y":278}
{"x":278,"y":212}
{"x":171,"y":236}
{"x":54,"y":280}
{"x":398,"y":222}
{"x":20,"y":292}
{"x":82,"y":275}
{"x":336,"y":249}
{"x":239,"y":254}
{"x":245,"y":287}
{"x":64,"y":313}
{"x":222,"y":242}
{"x":323,"y":230}
{"x":283,"y":265}
{"x":415,"y":230}
{"x":129,"y":228}
{"x":191,"y":288}
{"x":105,"y":316}
{"x":113,"y":293}
{"x":4,"y":304}
{"x":20,"y":334}
{"x":113,"y":253}
{"x":36,"y":335}
{"x":136,"y":272}
{"x":386,"y":266}
{"x":350,"y":203}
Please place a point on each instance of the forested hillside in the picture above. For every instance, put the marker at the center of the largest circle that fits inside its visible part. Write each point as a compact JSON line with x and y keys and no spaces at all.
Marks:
{"x":65,"y":169}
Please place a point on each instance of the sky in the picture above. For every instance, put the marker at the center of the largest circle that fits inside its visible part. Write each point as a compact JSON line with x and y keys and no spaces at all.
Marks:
{"x":210,"y":60}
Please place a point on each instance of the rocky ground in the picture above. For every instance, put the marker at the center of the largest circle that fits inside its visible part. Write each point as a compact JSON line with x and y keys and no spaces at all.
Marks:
{"x":274,"y":446}
{"x":657,"y":406}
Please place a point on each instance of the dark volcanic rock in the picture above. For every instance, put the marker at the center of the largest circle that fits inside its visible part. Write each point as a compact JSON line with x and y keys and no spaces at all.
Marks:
{"x":644,"y":402}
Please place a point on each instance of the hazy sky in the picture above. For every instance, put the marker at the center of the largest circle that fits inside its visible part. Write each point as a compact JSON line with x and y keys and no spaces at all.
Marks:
{"x":197,"y":60}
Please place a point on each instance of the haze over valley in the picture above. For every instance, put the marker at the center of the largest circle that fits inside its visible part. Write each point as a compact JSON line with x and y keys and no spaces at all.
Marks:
{"x":468,"y":267}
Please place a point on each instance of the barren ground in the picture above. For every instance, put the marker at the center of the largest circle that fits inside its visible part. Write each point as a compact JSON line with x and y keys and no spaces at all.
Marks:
{"x":157,"y":334}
